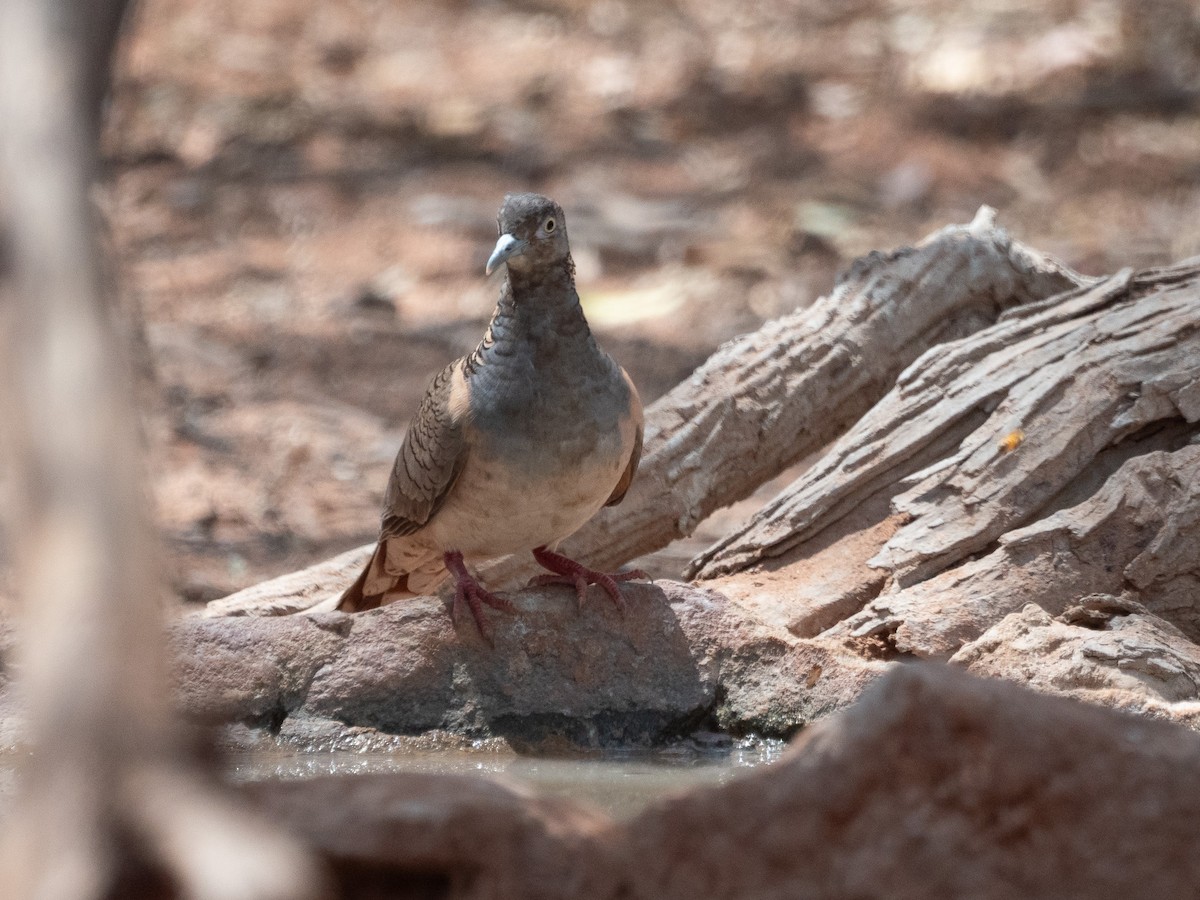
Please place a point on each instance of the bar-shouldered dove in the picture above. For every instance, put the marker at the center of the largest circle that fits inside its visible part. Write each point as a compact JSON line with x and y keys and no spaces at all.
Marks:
{"x":515,"y":446}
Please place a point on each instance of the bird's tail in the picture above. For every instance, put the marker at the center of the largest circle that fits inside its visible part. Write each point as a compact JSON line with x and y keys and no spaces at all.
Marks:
{"x":353,"y":599}
{"x":371,"y":584}
{"x":411,"y":574}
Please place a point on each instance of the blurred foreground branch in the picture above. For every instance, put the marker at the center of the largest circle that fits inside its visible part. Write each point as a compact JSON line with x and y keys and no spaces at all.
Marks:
{"x":109,"y":795}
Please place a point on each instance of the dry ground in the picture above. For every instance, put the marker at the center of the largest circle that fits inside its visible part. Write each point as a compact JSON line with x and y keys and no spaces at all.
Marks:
{"x":302,"y":195}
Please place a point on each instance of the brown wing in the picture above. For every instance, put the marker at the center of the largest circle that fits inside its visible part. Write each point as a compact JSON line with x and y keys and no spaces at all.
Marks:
{"x":431,"y":458}
{"x":635,"y":421}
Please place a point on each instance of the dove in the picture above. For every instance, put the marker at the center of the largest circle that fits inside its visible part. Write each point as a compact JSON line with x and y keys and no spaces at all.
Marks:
{"x":515,"y":446}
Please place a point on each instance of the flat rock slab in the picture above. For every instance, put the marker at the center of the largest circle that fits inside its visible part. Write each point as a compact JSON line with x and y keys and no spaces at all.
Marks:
{"x":936,"y":784}
{"x":680,"y":658}
{"x":1107,"y":650}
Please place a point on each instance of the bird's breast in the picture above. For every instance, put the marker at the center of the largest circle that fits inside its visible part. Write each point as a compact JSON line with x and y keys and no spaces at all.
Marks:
{"x":550,"y":418}
{"x":503,"y":505}
{"x":542,"y":460}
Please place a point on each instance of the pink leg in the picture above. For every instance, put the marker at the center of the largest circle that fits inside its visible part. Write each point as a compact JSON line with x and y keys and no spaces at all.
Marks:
{"x":467,"y":590}
{"x":567,"y":571}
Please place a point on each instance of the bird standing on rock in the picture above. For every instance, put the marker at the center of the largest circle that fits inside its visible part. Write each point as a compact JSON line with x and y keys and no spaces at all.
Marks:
{"x":515,"y":446}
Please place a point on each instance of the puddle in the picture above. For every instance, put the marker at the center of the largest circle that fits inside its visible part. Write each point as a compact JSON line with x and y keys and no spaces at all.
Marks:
{"x":620,"y":783}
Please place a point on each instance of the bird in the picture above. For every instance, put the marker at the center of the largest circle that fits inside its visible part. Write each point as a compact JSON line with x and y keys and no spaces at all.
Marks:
{"x":514,"y":446}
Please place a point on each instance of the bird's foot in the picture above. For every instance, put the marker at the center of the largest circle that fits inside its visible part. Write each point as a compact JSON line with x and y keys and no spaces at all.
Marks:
{"x":469,"y":592}
{"x":567,"y":571}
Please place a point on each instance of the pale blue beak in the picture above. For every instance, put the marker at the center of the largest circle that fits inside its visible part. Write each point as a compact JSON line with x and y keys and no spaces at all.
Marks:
{"x":506,"y":248}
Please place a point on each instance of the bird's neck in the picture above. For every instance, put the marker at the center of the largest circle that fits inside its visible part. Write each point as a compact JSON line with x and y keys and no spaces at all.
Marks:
{"x":543,"y":300}
{"x":539,"y":312}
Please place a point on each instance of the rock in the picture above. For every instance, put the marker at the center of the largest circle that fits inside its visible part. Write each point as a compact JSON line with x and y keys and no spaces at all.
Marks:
{"x":251,"y":669}
{"x":936,"y":784}
{"x":940,"y":785}
{"x":773,"y":684}
{"x":1123,"y":657}
{"x":679,"y":659}
{"x":416,"y":835}
{"x":590,"y":676}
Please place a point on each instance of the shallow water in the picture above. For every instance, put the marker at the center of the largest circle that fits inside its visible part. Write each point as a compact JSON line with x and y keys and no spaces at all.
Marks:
{"x":621,"y":783}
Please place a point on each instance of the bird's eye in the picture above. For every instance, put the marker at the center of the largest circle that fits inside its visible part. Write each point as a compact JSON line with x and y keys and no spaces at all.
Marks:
{"x":549,"y":226}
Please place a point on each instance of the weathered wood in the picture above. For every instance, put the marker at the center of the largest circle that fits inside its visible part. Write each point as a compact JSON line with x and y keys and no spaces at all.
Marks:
{"x":984,"y":434}
{"x":766,"y":400}
{"x":770,"y":398}
{"x":1137,"y":537}
{"x":314,"y":589}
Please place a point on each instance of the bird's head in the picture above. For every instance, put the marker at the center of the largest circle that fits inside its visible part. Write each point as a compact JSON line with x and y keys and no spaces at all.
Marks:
{"x":533,"y":233}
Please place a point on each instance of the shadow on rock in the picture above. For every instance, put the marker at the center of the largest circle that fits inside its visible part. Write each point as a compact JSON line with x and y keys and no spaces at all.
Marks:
{"x":558,"y":676}
{"x":587,"y":676}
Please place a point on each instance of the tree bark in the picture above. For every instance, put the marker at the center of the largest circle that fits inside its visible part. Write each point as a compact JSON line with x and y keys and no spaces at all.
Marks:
{"x":1034,"y":461}
{"x":769,"y":399}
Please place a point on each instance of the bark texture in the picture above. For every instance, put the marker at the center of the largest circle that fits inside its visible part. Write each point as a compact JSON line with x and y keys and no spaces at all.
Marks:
{"x":767,"y":400}
{"x":1020,"y":499}
{"x":1048,"y":457}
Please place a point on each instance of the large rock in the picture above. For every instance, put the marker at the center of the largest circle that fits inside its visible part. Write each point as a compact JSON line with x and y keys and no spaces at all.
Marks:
{"x":441,"y":836}
{"x":936,"y":784}
{"x":680,"y":658}
{"x":940,"y":785}
{"x":1106,"y":650}
{"x":252,"y":670}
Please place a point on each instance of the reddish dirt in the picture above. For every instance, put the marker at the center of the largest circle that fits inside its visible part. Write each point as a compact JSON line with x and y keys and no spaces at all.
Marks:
{"x":302,"y":196}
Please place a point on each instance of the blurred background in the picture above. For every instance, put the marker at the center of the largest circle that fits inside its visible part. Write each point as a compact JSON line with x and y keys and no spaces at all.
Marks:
{"x":302,"y":195}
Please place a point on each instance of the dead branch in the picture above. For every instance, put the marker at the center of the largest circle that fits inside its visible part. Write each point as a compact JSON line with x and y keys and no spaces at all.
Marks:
{"x":982,"y":433}
{"x":978,"y":438}
{"x":314,"y":589}
{"x":767,"y":400}
{"x":110,"y":771}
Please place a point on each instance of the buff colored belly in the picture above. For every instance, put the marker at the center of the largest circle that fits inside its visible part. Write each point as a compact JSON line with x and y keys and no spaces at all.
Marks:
{"x":493,"y":510}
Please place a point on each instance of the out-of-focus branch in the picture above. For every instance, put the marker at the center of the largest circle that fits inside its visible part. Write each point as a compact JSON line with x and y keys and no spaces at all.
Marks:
{"x":109,"y":768}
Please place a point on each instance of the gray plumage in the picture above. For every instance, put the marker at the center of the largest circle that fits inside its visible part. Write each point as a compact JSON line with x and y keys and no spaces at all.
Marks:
{"x":515,"y":446}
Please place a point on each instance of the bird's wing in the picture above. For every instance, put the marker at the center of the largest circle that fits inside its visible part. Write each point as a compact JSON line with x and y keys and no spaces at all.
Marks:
{"x":432,"y":456}
{"x":636,"y":419}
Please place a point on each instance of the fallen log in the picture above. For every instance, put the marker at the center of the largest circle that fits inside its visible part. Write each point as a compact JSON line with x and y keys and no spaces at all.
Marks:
{"x":1070,"y":417}
{"x":1024,"y":489}
{"x":771,"y":398}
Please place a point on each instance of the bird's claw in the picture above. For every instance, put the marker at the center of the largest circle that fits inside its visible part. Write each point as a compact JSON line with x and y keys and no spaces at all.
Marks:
{"x":567,"y":571}
{"x":470,"y":593}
